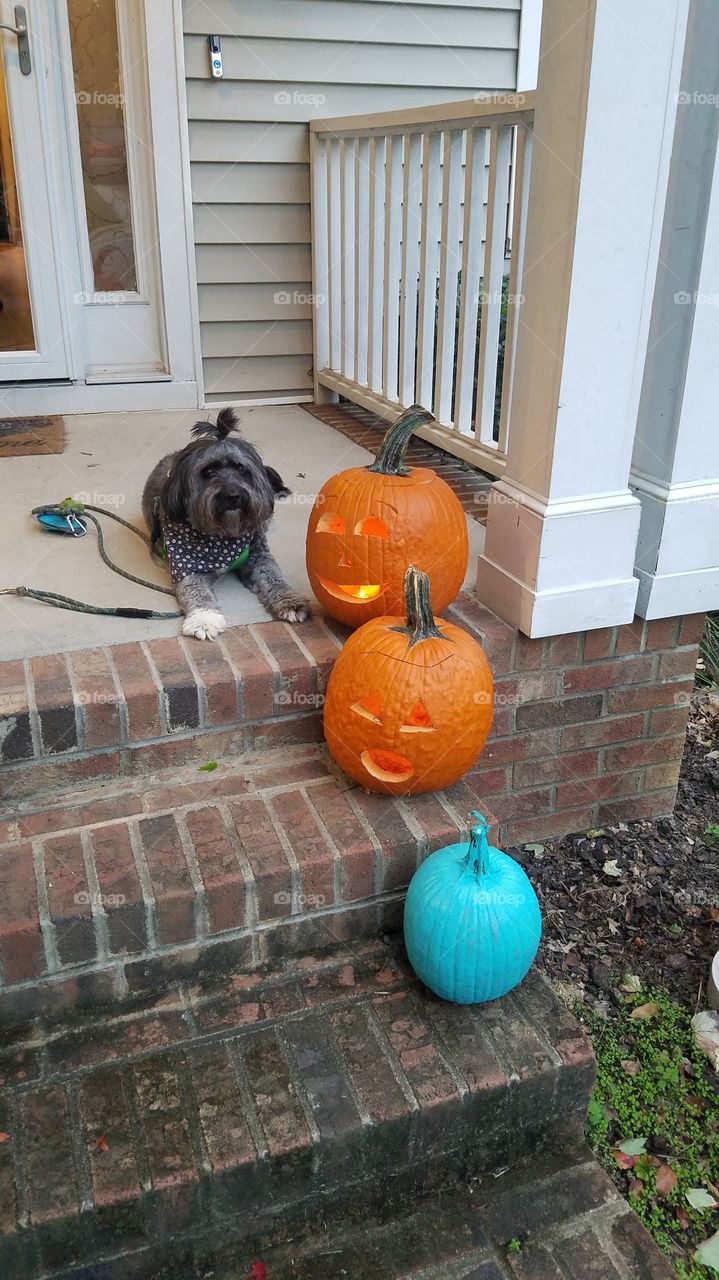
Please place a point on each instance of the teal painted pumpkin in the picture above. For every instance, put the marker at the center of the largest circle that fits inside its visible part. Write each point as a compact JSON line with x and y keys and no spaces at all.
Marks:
{"x":471,"y":921}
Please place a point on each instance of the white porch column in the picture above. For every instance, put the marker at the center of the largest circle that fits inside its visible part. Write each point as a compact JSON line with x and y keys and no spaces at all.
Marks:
{"x":562,"y":526}
{"x":676,"y":455}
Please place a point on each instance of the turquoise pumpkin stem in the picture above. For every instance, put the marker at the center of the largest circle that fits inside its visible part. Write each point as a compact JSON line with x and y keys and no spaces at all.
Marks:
{"x":478,"y":852}
{"x":390,"y":455}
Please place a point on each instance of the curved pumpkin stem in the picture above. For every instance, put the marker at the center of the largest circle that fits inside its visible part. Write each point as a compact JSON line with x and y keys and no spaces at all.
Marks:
{"x":390,"y":455}
{"x":478,"y":852}
{"x":418,"y":606}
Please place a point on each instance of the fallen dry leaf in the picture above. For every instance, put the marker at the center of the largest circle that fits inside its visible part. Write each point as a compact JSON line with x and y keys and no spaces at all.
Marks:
{"x":705,"y":1028}
{"x":4,"y":1137}
{"x":666,"y":1180}
{"x":624,"y":1161}
{"x":700,"y":1198}
{"x":101,"y":1144}
{"x":708,"y":1253}
{"x":610,"y":868}
{"x":630,"y":1066}
{"x":633,"y":1146}
{"x":644,"y":1011}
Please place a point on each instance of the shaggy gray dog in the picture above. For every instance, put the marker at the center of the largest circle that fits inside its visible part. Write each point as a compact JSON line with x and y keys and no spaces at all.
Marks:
{"x":208,"y":507}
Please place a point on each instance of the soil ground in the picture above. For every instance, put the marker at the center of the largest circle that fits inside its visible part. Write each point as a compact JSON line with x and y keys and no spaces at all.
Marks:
{"x":639,"y":898}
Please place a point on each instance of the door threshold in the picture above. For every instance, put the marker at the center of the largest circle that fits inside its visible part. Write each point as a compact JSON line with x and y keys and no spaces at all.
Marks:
{"x":126,"y":377}
{"x":109,"y":397}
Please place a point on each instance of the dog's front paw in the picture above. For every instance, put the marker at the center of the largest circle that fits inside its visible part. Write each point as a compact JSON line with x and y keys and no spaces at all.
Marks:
{"x":204,"y":624}
{"x":291,"y":608}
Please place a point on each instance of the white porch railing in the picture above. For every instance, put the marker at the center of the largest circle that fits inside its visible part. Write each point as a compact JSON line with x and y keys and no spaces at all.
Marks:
{"x":413,"y":216}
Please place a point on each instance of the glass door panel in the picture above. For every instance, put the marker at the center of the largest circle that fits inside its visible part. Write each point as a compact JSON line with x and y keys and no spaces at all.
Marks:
{"x":103,"y":143}
{"x":16,"y":329}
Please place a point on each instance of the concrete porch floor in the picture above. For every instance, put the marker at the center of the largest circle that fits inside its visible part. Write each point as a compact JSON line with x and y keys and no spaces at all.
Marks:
{"x":106,"y":461}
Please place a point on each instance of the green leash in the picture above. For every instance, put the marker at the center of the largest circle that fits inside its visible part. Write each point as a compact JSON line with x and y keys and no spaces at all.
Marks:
{"x":79,"y":606}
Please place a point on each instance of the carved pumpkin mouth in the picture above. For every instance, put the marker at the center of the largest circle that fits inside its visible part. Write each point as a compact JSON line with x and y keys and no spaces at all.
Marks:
{"x":388,"y":766}
{"x":358,"y":592}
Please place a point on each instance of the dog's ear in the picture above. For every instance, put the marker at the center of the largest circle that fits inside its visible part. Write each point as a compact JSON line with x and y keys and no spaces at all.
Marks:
{"x":155,"y":526}
{"x":172,"y":493}
{"x":277,"y":484}
{"x":227,"y":421}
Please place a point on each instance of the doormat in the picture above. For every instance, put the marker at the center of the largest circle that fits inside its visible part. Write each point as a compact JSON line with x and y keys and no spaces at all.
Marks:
{"x":21,"y":436}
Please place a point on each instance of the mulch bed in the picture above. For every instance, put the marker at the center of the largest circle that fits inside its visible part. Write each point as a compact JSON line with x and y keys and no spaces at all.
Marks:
{"x":639,"y":898}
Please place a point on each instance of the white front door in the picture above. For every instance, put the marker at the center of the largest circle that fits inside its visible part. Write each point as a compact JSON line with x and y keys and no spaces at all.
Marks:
{"x":95,"y":237}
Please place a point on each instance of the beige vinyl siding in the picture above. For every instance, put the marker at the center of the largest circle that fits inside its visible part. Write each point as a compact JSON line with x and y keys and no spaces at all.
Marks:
{"x":286,"y":62}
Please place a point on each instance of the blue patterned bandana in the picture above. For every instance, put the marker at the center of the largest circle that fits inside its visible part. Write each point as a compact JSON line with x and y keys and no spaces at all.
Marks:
{"x":188,"y":551}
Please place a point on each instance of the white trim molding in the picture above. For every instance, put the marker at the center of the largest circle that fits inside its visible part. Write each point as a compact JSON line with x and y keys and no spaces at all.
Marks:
{"x":530,"y":26}
{"x":675,"y":470}
{"x":563,"y":522}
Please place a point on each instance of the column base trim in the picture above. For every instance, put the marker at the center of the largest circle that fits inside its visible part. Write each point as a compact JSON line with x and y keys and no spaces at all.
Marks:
{"x":667,"y":595}
{"x":554,"y":613}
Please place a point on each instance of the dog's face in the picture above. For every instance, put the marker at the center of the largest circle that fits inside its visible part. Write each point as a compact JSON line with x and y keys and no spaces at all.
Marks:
{"x":221,"y":485}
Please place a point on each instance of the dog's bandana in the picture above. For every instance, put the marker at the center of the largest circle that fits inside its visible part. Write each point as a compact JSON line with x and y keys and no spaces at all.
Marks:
{"x":188,"y":551}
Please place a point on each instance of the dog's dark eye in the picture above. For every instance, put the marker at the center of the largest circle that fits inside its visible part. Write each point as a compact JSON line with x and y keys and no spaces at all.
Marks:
{"x":209,"y":470}
{"x":239,"y":467}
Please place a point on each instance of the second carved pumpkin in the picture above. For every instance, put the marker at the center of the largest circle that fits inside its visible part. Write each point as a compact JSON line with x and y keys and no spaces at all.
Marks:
{"x":409,"y":701}
{"x":369,"y":523}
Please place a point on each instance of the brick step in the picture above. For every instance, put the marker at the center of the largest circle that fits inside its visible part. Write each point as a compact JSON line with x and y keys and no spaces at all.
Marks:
{"x":567,"y":1214}
{"x":75,"y":719}
{"x":588,"y":728}
{"x":269,"y":1101}
{"x":115,"y":891}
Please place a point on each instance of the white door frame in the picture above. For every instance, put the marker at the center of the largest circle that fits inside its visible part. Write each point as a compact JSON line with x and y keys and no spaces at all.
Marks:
{"x":170,"y":145}
{"x":33,"y":148}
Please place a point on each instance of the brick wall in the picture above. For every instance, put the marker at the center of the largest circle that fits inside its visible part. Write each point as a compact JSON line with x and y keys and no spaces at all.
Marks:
{"x":589,"y":728}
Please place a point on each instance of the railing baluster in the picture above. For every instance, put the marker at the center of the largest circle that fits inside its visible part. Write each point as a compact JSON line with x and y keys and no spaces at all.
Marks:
{"x":522,"y":166}
{"x":471,"y":270}
{"x":334,"y":211}
{"x":392,"y":264}
{"x":348,"y":257}
{"x":448,"y":271}
{"x":428,"y":262}
{"x":409,"y":254}
{"x":375,"y":300}
{"x":492,"y":277}
{"x":362,"y":257}
{"x":320,"y":258}
{"x":410,"y":261}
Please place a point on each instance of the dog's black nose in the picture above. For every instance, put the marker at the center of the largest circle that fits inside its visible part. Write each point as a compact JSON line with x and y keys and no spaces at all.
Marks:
{"x":232,"y":500}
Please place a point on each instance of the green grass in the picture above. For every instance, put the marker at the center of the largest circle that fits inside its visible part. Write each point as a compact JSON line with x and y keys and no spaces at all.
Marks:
{"x":711,"y":833}
{"x":673,"y":1103}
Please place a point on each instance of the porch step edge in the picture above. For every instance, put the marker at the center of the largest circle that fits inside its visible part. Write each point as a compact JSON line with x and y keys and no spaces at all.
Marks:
{"x":324,"y":1081}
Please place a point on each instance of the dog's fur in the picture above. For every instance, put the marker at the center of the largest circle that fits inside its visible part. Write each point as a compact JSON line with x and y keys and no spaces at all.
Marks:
{"x":218,"y":484}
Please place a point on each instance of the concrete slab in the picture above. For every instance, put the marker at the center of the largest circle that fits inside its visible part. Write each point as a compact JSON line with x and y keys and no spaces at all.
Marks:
{"x":106,"y":461}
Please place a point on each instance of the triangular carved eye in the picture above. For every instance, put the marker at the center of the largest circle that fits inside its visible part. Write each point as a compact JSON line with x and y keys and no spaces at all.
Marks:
{"x":418,"y":720}
{"x":330,"y":522}
{"x":370,"y":707}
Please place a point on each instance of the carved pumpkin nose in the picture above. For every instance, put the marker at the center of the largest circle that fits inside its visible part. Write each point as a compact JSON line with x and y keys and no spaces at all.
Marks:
{"x":345,"y":562}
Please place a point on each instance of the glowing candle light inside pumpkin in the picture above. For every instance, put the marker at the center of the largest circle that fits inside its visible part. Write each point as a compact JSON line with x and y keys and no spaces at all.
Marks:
{"x":366,"y":592}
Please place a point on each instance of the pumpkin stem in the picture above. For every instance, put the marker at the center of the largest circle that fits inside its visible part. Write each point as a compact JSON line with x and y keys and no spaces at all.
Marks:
{"x":390,"y":455}
{"x":418,"y":607}
{"x":478,"y":847}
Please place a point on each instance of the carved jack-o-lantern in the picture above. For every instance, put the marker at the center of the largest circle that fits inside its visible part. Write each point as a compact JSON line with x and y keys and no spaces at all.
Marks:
{"x":409,"y":703}
{"x":369,"y":523}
